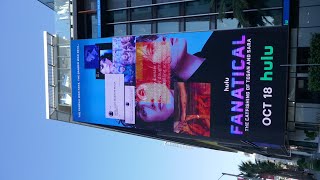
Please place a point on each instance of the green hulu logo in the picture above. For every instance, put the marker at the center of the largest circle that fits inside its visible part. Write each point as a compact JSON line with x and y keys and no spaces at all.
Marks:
{"x":268,"y":64}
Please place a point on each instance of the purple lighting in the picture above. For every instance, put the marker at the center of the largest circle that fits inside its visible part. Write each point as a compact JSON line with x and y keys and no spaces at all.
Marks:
{"x":237,"y":86}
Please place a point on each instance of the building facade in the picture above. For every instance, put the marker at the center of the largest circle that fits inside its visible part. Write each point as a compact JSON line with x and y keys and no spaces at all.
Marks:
{"x":90,"y":19}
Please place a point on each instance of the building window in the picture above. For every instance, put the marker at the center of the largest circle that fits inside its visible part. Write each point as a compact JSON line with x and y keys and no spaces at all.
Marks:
{"x":273,"y":18}
{"x":251,"y":19}
{"x":141,"y":28}
{"x":140,"y":2}
{"x":92,"y":4}
{"x":309,"y":2}
{"x":251,"y":5}
{"x":141,"y":13}
{"x":303,"y":95}
{"x":227,"y":23}
{"x":168,"y":10}
{"x":264,"y":18}
{"x":213,"y":22}
{"x":305,"y":35}
{"x":198,"y":24}
{"x":120,"y":30}
{"x":114,"y":4}
{"x":168,"y":26}
{"x":117,"y":16}
{"x":165,"y":18}
{"x":309,"y":16}
{"x":164,"y":1}
{"x":265,"y":4}
{"x":198,"y":7}
{"x":303,"y":55}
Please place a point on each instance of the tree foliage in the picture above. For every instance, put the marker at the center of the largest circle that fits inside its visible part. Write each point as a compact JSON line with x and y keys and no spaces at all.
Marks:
{"x":309,"y":163}
{"x":266,"y":168}
{"x":248,"y":19}
{"x":314,"y":71}
{"x":251,"y":169}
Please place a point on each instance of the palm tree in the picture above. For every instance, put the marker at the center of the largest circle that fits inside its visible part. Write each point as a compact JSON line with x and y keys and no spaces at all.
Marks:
{"x":248,"y":19}
{"x":260,"y":169}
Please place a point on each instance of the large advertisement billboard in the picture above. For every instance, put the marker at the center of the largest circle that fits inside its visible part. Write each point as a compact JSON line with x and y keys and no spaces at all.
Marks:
{"x":219,"y":85}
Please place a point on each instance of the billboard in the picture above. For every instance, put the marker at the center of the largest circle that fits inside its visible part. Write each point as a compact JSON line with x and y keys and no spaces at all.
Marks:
{"x":220,"y":85}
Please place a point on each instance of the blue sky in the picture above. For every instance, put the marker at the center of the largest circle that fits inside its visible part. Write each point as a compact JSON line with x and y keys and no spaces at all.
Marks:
{"x":33,"y":148}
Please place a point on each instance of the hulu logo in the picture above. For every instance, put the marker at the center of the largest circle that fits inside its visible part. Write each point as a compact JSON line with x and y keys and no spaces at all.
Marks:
{"x":268,"y":63}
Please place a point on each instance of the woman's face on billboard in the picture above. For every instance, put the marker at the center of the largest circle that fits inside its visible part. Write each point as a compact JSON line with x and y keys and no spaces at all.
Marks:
{"x":178,"y":51}
{"x":173,"y":48}
{"x":156,"y":102}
